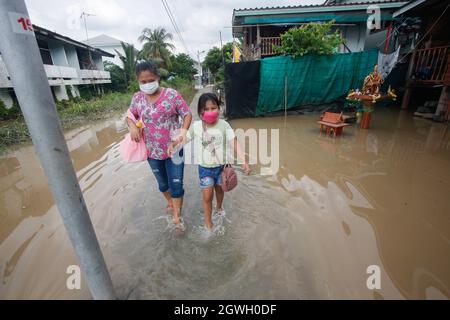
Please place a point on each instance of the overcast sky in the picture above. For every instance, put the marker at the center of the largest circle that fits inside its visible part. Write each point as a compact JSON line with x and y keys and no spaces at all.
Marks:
{"x":199,"y":21}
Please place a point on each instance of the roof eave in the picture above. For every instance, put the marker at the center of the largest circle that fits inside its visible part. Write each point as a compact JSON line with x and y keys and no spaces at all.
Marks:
{"x":407,"y":7}
{"x":315,"y":9}
{"x":68,"y":40}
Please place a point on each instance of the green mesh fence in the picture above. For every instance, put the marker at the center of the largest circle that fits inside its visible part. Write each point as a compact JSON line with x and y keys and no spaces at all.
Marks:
{"x":311,"y":79}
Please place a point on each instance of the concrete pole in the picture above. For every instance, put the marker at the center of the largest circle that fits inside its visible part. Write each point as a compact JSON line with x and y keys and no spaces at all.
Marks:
{"x":21,"y":55}
{"x":221,"y":50}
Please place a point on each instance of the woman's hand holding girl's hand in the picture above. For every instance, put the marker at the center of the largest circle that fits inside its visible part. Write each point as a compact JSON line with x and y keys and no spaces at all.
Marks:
{"x":171,"y":148}
{"x":181,"y":138}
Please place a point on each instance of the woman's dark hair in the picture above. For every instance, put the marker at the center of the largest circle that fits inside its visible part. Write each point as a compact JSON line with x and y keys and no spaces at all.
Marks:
{"x":204,"y":98}
{"x":147,"y":65}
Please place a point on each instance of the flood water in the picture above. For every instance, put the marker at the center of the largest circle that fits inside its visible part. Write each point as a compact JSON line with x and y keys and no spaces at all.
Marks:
{"x":336,"y":206}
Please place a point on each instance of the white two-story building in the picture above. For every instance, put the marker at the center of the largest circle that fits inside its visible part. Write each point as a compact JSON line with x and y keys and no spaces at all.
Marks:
{"x":69,"y":64}
{"x":110,"y":45}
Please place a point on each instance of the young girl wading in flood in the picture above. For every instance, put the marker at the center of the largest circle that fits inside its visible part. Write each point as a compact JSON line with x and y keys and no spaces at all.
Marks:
{"x":213,"y":136}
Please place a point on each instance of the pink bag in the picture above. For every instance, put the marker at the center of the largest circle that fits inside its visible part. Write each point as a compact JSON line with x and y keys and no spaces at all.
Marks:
{"x":229,"y":178}
{"x":130,"y":150}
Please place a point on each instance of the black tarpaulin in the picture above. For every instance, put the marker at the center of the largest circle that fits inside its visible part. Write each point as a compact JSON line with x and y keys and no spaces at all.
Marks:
{"x":241,"y":89}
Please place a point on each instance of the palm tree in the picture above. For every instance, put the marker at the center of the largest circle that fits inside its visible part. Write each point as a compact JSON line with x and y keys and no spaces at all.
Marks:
{"x":129,"y":61}
{"x":156,"y":45}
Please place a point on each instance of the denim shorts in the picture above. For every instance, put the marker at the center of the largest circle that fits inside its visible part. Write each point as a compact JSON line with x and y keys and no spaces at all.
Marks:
{"x":169,"y":176}
{"x":209,"y":176}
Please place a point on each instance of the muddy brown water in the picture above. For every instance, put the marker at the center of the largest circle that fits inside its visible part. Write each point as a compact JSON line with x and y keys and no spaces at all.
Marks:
{"x":336,"y":206}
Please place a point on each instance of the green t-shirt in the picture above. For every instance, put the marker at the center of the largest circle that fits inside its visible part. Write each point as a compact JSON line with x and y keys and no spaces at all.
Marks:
{"x":209,"y":146}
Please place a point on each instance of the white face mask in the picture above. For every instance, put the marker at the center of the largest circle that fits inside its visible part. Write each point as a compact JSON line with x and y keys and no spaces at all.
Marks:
{"x":149,"y":88}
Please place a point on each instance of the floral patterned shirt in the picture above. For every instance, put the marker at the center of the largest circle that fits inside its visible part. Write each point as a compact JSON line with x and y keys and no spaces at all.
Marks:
{"x":162,"y":120}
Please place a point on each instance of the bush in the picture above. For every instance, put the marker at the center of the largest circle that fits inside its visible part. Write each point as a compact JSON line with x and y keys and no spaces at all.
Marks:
{"x":313,"y":37}
{"x":183,"y":66}
{"x":3,"y":110}
{"x":13,"y":132}
{"x":69,"y":92}
{"x":133,"y":87}
{"x":88,"y":92}
{"x":184,"y":86}
{"x":118,"y":77}
{"x":11,"y":113}
{"x":63,"y":104}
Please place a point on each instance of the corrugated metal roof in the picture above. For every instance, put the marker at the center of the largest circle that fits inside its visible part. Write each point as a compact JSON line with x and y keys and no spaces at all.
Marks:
{"x":103,"y":40}
{"x":50,"y":34}
{"x":323,"y":5}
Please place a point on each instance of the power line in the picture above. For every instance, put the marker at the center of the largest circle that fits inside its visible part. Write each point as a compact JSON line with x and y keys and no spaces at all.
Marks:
{"x":182,"y":28}
{"x":171,"y":19}
{"x":174,"y":24}
{"x":177,"y":28}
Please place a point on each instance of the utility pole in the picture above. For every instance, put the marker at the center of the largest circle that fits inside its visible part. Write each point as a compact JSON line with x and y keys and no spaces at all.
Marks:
{"x":200,"y":65}
{"x":221,"y":49}
{"x":23,"y":61}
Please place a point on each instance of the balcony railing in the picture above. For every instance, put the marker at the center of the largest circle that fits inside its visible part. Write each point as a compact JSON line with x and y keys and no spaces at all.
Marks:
{"x":94,"y":75}
{"x":430,"y":65}
{"x":58,"y":75}
{"x":267,"y":45}
{"x":60,"y":72}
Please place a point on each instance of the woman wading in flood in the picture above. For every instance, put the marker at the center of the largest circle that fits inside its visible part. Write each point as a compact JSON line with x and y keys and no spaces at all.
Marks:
{"x":163,"y":113}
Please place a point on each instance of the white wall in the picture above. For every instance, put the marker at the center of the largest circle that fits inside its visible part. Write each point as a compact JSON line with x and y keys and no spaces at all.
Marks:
{"x":111,"y":49}
{"x":60,"y":92}
{"x":355,"y":37}
{"x":98,"y":61}
{"x":72,"y":57}
{"x":376,"y":40}
{"x":58,"y":53}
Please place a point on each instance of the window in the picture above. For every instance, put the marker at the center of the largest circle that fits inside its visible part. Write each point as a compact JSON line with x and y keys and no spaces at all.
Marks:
{"x":45,"y":51}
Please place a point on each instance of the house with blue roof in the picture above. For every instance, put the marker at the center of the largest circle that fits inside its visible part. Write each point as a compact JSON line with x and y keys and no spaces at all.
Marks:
{"x":260,"y":28}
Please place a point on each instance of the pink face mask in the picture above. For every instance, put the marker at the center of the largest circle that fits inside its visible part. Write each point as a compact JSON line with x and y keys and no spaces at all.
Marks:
{"x":210,"y":117}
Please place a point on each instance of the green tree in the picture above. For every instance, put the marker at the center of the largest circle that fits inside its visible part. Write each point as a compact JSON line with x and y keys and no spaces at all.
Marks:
{"x":156,"y":45}
{"x":118,"y":78}
{"x":163,"y":72}
{"x":214,"y":62}
{"x":183,"y":66}
{"x":313,"y":37}
{"x":128,"y":61}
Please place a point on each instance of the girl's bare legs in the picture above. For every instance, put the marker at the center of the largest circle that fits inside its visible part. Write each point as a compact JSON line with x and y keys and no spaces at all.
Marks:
{"x":208,"y":195}
{"x":219,"y":197}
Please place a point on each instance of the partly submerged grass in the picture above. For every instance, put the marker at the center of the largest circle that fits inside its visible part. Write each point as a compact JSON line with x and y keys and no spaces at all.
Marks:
{"x":73,"y":114}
